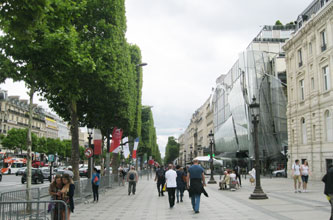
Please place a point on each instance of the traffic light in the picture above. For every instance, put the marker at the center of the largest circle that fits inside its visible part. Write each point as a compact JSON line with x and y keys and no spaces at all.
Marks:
{"x":208,"y":155}
{"x":213,"y":155}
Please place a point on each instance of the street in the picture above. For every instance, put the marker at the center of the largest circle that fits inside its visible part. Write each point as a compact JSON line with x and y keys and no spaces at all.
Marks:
{"x":283,"y":203}
{"x":13,"y":182}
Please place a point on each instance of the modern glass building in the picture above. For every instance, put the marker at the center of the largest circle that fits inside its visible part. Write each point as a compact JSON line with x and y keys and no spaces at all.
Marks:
{"x":258,"y":72}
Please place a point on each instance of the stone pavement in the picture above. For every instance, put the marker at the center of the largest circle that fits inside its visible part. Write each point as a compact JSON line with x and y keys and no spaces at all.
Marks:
{"x":283,"y":203}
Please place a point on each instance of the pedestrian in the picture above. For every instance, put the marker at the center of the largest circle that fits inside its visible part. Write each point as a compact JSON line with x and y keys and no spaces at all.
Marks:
{"x":132,"y":179}
{"x":122,"y":174}
{"x":195,"y":183}
{"x":54,"y":190}
{"x":67,"y":194}
{"x":225,"y":183}
{"x":305,"y":172}
{"x":181,"y":183}
{"x":171,"y":184}
{"x":252,"y":174}
{"x":296,"y":173}
{"x":95,"y":180}
{"x":160,"y":178}
{"x":238,"y":174}
{"x":328,"y":180}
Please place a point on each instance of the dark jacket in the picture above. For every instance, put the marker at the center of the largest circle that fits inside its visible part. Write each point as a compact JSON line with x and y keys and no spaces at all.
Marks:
{"x":328,"y":180}
{"x":70,"y":194}
{"x":180,"y":180}
{"x":196,"y":188}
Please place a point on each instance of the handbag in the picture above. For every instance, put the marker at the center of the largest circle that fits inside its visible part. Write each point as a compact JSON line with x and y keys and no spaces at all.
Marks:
{"x":164,"y":188}
{"x":95,"y":179}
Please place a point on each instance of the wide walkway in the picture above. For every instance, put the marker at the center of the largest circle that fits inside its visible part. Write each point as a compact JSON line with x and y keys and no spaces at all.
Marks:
{"x":283,"y":204}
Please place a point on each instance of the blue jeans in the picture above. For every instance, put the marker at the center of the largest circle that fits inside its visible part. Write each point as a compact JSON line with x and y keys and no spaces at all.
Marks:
{"x":181,"y":194}
{"x":195,"y":202}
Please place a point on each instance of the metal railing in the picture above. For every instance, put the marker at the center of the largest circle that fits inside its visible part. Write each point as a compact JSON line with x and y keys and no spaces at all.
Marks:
{"x":54,"y":209}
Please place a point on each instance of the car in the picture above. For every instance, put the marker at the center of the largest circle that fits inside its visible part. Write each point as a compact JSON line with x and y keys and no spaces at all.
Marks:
{"x":46,"y":172}
{"x":36,"y":176}
{"x":279,"y":173}
{"x":20,"y":171}
{"x":83,"y":170}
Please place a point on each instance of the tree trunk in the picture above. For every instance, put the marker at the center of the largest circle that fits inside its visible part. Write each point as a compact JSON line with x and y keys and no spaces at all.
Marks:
{"x":107,"y":159}
{"x":115,"y":165}
{"x":29,"y":139}
{"x":75,"y":141}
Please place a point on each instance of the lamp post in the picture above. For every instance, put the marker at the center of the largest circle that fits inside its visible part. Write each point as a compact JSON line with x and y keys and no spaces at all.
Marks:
{"x":184,"y":158}
{"x":90,"y":168}
{"x":191,"y":153}
{"x":211,"y":141}
{"x":258,"y":193}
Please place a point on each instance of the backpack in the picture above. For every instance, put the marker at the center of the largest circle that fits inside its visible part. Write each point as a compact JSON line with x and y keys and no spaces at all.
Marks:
{"x":131,"y":176}
{"x":160,"y":174}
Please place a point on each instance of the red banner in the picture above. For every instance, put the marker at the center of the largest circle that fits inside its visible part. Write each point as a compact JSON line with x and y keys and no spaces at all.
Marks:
{"x":151,"y":162}
{"x":97,"y":147}
{"x":116,"y":138}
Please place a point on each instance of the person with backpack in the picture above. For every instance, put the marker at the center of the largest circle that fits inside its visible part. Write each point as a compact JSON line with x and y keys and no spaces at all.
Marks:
{"x":95,"y":179}
{"x":328,"y":191}
{"x":132,"y":179}
{"x":160,"y":178}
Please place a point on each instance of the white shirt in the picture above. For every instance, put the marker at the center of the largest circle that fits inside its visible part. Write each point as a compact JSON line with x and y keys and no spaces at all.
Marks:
{"x":171,"y":177}
{"x":233,"y":176}
{"x":305,"y":170}
{"x":297,"y":170}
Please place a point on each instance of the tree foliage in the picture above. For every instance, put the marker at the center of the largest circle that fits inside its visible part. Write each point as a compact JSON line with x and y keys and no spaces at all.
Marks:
{"x":171,"y":151}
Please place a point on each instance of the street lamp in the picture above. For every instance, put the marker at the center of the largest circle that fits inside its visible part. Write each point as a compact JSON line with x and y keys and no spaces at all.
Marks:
{"x":90,"y":164}
{"x":191,"y":153}
{"x":184,"y":158}
{"x":211,"y":141}
{"x":258,"y":193}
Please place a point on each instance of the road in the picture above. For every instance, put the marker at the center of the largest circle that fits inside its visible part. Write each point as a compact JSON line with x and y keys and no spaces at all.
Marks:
{"x":13,"y":182}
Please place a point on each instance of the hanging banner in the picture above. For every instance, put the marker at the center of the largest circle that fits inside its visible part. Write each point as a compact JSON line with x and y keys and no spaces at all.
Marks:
{"x":97,"y":142}
{"x":126,"y":147}
{"x":136,"y":144}
{"x":116,"y":138}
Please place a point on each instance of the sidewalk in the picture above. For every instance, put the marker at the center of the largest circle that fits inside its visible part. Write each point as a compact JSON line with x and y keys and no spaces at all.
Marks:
{"x":283,"y":203}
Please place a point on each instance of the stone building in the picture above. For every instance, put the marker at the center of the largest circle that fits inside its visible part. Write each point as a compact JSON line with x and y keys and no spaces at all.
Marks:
{"x":14,"y":113}
{"x":194,"y":141}
{"x":309,"y":57}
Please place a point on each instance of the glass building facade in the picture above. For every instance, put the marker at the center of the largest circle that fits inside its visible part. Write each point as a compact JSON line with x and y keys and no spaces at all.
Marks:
{"x":253,"y":74}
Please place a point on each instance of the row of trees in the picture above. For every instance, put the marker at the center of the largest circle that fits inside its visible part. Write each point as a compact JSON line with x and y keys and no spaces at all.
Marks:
{"x":75,"y":54}
{"x":16,"y":140}
{"x":171,"y":151}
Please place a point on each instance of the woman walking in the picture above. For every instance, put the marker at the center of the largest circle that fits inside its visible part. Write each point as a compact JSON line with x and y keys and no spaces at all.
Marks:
{"x":305,"y":171}
{"x":180,"y":183}
{"x":67,"y":194}
{"x":95,"y":183}
{"x":54,"y":191}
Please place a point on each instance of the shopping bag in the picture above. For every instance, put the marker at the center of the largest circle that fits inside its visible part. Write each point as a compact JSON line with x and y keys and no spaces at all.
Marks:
{"x":164,"y":188}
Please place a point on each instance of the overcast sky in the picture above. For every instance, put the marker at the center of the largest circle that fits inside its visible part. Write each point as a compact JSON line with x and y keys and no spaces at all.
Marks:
{"x":187,"y":45}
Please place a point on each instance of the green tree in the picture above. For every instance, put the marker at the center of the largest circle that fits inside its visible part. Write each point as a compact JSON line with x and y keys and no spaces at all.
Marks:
{"x":171,"y":151}
{"x":278,"y":22}
{"x":16,"y":139}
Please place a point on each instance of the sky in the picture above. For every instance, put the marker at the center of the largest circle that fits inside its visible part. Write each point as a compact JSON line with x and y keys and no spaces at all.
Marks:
{"x":187,"y":45}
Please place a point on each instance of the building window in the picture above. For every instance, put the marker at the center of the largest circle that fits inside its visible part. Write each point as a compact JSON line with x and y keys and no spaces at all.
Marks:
{"x":301,"y":89}
{"x":314,"y":133}
{"x":328,"y":126}
{"x":326,"y":75}
{"x":300,"y":60}
{"x":312,"y":83}
{"x":292,"y":136}
{"x":323,"y":41}
{"x":310,"y":48}
{"x":322,"y":2}
{"x":303,"y":131}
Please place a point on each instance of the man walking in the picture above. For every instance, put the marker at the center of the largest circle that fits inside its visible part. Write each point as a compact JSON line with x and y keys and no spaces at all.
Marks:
{"x":160,"y":178}
{"x":296,"y":172}
{"x":171,"y":184}
{"x":238,"y":174}
{"x":132,"y":179}
{"x":195,"y":183}
{"x":328,"y":180}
